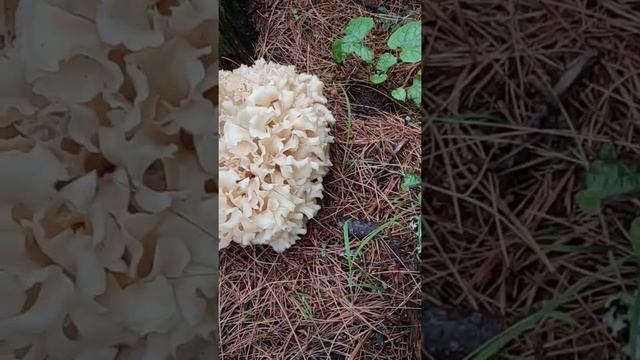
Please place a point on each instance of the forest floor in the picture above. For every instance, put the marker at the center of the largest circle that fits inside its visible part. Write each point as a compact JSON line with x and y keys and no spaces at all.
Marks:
{"x":306,"y":303}
{"x":531,"y":146}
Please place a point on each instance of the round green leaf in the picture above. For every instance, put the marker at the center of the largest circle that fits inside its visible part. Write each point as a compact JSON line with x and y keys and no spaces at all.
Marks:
{"x":385,"y":62}
{"x":358,"y":27}
{"x":414,"y":91}
{"x":408,"y":38}
{"x":378,"y":78}
{"x":399,"y":94}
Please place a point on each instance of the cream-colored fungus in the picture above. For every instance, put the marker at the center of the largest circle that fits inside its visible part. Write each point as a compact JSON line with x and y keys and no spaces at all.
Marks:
{"x":274,"y":151}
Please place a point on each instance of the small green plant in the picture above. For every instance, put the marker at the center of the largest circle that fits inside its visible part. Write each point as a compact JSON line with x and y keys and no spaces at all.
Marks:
{"x":410,"y":180}
{"x":607,"y":177}
{"x":385,"y":62}
{"x":414,"y":92}
{"x":408,"y":39}
{"x":353,"y":41}
{"x":305,"y":308}
{"x":405,"y":40}
{"x":351,"y":255}
{"x":296,"y":16}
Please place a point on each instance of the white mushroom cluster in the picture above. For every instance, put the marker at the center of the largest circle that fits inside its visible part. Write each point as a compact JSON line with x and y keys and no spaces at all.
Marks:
{"x":274,"y":151}
{"x":107,"y":179}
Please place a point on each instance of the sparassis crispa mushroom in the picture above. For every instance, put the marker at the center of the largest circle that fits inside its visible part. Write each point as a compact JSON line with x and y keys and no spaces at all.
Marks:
{"x":274,"y":151}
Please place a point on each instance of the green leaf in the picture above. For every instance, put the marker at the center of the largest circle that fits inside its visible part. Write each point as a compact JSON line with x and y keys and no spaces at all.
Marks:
{"x":607,"y":176}
{"x":363,"y":52}
{"x":339,"y":51}
{"x":414,"y":91}
{"x":359,"y":27}
{"x":409,"y":39}
{"x":352,"y":42}
{"x":385,"y":62}
{"x":410,"y":179}
{"x":378,"y":78}
{"x":399,"y":94}
{"x":343,"y":47}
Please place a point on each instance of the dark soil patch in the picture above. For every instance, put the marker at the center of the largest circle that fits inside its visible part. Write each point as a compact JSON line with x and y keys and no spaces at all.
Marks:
{"x":367,"y":100}
{"x":452,"y":334}
{"x":238,"y":34}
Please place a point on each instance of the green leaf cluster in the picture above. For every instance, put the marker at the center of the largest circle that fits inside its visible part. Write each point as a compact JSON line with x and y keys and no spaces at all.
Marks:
{"x":405,"y":40}
{"x":413,"y":92}
{"x":353,"y":41}
{"x":410,"y":180}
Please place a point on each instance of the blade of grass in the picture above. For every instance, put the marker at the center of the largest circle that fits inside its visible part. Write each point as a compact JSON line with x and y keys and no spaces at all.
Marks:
{"x":350,"y":256}
{"x":378,"y":288}
{"x":419,"y":232}
{"x":493,"y":347}
{"x":349,"y":120}
{"x":347,"y":255}
{"x":345,"y":237}
{"x":372,"y":235}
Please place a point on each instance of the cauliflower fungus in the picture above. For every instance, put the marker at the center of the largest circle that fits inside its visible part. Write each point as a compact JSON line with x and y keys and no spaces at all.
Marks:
{"x":108,"y":190}
{"x":274,"y":151}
